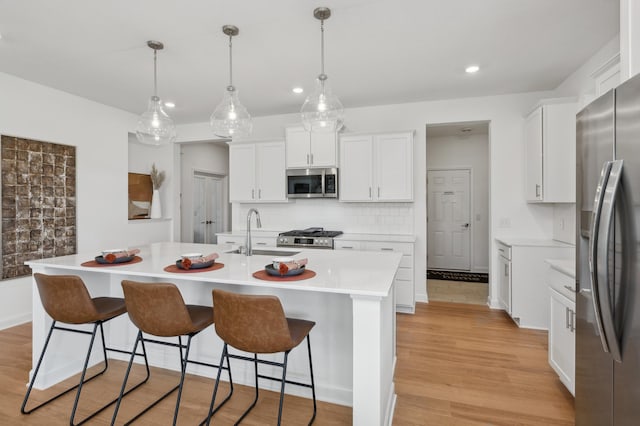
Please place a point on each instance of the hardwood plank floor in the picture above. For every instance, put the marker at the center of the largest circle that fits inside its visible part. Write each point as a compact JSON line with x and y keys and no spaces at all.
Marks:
{"x":458,"y":364}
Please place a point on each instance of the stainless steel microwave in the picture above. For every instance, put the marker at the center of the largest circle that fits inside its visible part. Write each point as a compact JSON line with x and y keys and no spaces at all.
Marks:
{"x":312,"y":183}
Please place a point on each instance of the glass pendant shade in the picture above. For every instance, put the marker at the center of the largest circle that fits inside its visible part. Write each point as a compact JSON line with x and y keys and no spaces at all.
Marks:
{"x":231,"y":119}
{"x":322,"y":111}
{"x":155,"y":127}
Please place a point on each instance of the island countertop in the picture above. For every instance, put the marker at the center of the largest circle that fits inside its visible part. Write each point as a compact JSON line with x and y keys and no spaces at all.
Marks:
{"x":355,"y":273}
{"x":351,"y":298}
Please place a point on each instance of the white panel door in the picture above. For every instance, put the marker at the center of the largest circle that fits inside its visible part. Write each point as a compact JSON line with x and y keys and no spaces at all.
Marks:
{"x":448,"y":226}
{"x":207,"y":207}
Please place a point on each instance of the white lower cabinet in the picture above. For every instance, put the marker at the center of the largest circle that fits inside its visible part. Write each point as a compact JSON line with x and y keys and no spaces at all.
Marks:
{"x":239,"y":240}
{"x":562,"y":327}
{"x":404,"y":279}
{"x":522,"y":291}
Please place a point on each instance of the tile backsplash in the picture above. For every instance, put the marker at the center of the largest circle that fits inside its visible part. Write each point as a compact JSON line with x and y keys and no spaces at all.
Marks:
{"x":376,"y":218}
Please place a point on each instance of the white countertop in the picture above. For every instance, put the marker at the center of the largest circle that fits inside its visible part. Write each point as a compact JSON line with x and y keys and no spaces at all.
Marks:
{"x":538,"y":242}
{"x":565,"y":266}
{"x":355,"y":273}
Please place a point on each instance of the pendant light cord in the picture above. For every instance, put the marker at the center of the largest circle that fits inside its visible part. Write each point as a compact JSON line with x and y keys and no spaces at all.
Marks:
{"x":155,"y":73}
{"x":322,"y":46}
{"x":230,"y":62}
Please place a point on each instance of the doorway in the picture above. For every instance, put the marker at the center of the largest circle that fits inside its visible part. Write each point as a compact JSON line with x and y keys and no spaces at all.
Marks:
{"x":208,"y":191}
{"x":458,"y":212}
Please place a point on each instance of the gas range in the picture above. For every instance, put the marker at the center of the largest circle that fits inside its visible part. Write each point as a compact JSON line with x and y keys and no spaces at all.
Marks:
{"x":308,"y":238}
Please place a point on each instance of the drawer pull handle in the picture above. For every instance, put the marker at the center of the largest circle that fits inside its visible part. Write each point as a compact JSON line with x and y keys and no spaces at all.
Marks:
{"x":261,"y":244}
{"x":347,"y":247}
{"x":571,"y":289}
{"x":386,"y":249}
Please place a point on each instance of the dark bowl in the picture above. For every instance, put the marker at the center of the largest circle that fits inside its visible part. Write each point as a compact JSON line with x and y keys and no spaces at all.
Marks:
{"x":201,"y":265}
{"x":276,"y":273}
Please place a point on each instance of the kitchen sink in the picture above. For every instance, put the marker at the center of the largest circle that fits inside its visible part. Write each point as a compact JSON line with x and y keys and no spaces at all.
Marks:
{"x":267,"y":252}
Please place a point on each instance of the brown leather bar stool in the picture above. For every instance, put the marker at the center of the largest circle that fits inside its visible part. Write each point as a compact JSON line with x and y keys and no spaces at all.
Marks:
{"x":66,"y":299}
{"x":158,"y":309}
{"x":258,"y":324}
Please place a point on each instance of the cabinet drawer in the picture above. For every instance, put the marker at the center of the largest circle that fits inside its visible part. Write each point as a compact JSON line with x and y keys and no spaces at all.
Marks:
{"x":347,"y":245}
{"x":406,"y":262}
{"x":230,"y":239}
{"x":404,"y":274}
{"x":562,"y":283}
{"x":404,"y":248}
{"x":404,"y":294}
{"x":504,"y":250}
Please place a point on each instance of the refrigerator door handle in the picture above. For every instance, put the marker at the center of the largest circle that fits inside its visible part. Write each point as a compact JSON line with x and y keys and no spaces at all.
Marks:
{"x":593,"y":247}
{"x":604,"y":295}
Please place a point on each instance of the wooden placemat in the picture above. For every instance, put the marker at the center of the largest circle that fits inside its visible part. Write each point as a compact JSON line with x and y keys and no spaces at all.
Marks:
{"x":264,"y":275}
{"x":94,"y":264}
{"x":174,"y":269}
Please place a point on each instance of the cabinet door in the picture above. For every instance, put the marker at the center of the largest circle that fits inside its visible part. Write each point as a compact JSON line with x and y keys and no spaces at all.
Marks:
{"x":356,"y":165}
{"x":562,"y":338}
{"x":297,"y":140}
{"x":270,"y":172}
{"x":504,"y":284}
{"x":533,"y":156}
{"x":242,"y":172}
{"x":393,"y":171}
{"x":323,"y":149}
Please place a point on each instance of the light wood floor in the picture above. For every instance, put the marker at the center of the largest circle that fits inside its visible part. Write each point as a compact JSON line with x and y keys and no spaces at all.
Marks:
{"x":457,"y":291}
{"x":457,"y":365}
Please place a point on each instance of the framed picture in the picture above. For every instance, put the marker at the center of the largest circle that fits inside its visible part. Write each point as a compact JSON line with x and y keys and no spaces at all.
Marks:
{"x":140,"y":192}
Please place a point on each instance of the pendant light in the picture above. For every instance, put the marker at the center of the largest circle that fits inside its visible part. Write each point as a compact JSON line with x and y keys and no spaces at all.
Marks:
{"x":155,"y":127}
{"x":231,"y":119}
{"x":322,"y":111}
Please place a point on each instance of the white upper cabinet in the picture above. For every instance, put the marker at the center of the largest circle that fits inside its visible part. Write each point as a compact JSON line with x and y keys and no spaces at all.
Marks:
{"x":257,"y":172}
{"x":310,"y":149}
{"x":376,"y":167}
{"x":550,"y":152}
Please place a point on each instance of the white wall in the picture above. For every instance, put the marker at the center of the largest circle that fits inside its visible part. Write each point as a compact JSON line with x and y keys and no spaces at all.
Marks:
{"x":100,"y":134}
{"x":505,"y":114}
{"x":468,"y":151}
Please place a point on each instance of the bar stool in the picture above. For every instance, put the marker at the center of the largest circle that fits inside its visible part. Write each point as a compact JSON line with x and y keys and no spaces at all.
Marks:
{"x":258,"y":324}
{"x":158,"y":309}
{"x":66,"y":299}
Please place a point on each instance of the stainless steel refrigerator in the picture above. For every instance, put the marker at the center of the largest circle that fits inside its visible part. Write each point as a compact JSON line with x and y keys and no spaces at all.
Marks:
{"x":607,"y":259}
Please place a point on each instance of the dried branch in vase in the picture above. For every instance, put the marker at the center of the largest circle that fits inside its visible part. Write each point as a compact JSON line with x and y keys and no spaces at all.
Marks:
{"x":156,"y":177}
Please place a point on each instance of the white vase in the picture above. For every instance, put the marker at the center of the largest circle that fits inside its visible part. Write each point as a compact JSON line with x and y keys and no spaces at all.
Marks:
{"x":156,"y":206}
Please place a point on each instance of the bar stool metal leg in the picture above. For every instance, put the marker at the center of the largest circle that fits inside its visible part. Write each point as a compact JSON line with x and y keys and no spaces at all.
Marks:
{"x":212,"y":411}
{"x":313,"y":384}
{"x":83,"y":378}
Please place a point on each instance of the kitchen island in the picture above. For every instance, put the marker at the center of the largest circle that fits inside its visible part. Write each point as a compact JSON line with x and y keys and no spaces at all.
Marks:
{"x":351,"y":299}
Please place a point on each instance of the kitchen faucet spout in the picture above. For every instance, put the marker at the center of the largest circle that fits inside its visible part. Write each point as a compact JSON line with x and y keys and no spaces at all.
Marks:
{"x":248,"y":249}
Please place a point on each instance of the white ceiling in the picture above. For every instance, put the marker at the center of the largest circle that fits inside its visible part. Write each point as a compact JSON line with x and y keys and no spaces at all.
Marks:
{"x":377,"y":51}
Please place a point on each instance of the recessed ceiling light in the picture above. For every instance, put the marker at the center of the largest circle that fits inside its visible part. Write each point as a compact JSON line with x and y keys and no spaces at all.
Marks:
{"x":170,"y":104}
{"x":297,"y":90}
{"x":472,"y":68}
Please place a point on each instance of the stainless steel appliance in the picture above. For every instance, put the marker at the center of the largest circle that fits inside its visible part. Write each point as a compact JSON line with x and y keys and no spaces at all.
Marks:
{"x":312,"y":183}
{"x":607,"y":259}
{"x":309,"y":238}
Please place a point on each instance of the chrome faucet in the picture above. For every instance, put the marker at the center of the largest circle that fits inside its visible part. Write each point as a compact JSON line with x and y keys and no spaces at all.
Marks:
{"x":247,"y":245}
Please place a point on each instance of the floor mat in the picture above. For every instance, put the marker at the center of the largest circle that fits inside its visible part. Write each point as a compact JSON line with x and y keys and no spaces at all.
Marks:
{"x":457,"y":276}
